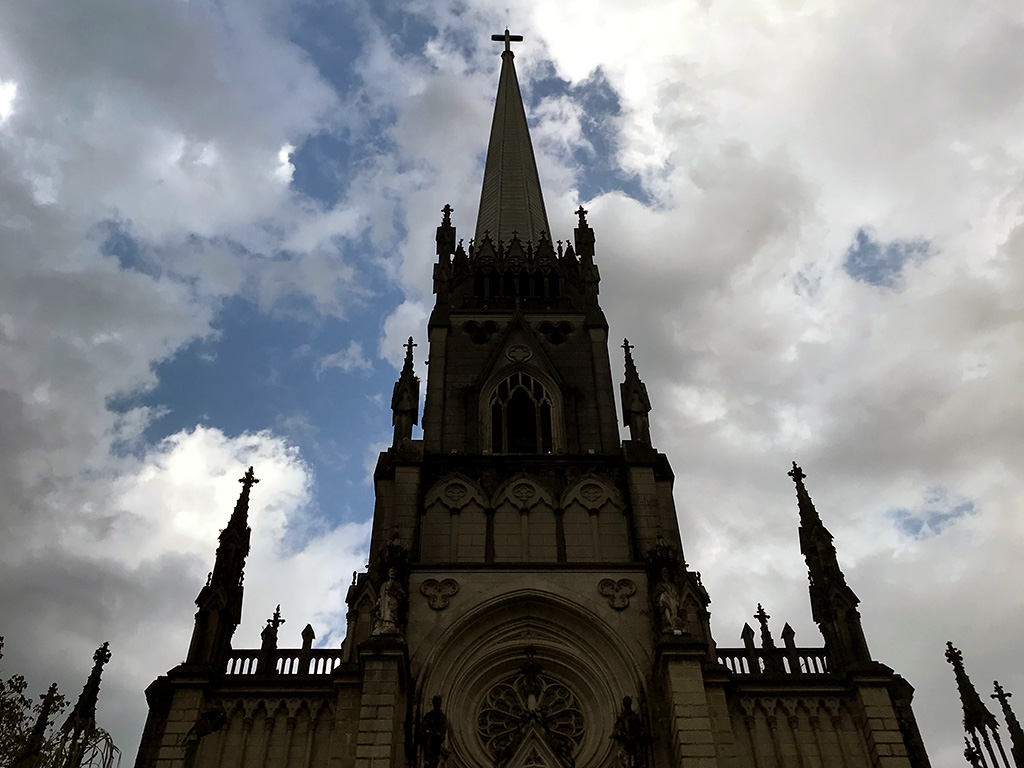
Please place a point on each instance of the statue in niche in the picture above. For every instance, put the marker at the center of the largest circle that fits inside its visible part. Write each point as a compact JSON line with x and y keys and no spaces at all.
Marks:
{"x":630,"y":736}
{"x":431,"y":734}
{"x":389,"y":604}
{"x":666,"y":599}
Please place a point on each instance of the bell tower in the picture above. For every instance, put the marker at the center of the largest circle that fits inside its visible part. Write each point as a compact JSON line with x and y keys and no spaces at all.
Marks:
{"x":544,"y":569}
{"x":527,"y":602}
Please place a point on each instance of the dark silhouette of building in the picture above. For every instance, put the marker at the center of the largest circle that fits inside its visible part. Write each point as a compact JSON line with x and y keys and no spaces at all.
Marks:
{"x":527,"y":601}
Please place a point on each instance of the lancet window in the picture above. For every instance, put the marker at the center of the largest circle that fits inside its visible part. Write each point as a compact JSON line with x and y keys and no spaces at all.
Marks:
{"x":522,"y":414}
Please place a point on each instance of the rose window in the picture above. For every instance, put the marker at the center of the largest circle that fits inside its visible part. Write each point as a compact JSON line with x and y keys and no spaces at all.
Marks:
{"x":525,"y":698}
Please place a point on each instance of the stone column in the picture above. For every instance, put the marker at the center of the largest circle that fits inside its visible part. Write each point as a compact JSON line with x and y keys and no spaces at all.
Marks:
{"x":380,"y":744}
{"x":690,"y":729}
{"x":881,"y":727}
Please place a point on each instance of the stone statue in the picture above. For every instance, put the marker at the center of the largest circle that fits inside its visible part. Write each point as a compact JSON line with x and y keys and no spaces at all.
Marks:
{"x":431,"y":735}
{"x":630,"y":736}
{"x":388,"y":605}
{"x":666,"y":599}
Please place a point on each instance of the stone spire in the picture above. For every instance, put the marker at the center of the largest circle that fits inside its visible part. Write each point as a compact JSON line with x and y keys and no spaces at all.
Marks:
{"x":1012,"y":724}
{"x":220,"y":601}
{"x":833,"y":603}
{"x":636,"y":405}
{"x":82,"y":720}
{"x":511,"y":201}
{"x":978,"y":720}
{"x":405,"y":400}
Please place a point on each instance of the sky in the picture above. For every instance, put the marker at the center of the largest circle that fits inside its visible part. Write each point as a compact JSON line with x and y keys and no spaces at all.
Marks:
{"x":216,"y":232}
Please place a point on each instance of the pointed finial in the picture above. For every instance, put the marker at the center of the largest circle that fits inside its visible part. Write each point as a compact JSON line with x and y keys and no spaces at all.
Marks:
{"x":636,"y":404}
{"x":1000,"y":695}
{"x":976,"y":714}
{"x":954,"y":656}
{"x":788,"y":634}
{"x":1012,"y":723}
{"x":276,"y":621}
{"x":446,"y":219}
{"x":102,"y":655}
{"x":83,"y":717}
{"x":241,"y":511}
{"x":582,"y":213}
{"x":43,"y":721}
{"x":405,"y":398}
{"x":747,"y":636}
{"x":808,"y":514}
{"x":628,"y":348}
{"x":766,"y":636}
{"x":248,"y":480}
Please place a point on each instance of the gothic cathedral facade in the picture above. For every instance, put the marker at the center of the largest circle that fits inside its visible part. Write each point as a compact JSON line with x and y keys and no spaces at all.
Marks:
{"x":527,"y":603}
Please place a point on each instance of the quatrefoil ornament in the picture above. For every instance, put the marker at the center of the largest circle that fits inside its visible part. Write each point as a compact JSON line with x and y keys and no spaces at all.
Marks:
{"x":617,"y":592}
{"x":439,"y":593}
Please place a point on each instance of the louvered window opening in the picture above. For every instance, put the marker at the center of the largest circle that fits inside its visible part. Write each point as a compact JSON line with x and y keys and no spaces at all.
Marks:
{"x":510,"y":285}
{"x":521,"y":416}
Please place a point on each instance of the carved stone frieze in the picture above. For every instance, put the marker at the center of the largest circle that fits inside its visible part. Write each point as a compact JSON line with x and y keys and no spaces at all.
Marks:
{"x":439,"y":593}
{"x":617,"y":592}
{"x":518,"y":353}
{"x":455,"y":492}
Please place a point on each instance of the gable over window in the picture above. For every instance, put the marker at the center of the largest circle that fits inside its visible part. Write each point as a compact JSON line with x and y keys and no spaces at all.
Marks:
{"x":522,"y":416}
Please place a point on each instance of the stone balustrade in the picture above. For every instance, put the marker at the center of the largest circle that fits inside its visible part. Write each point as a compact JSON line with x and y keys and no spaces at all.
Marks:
{"x":774,"y":661}
{"x":300,"y":662}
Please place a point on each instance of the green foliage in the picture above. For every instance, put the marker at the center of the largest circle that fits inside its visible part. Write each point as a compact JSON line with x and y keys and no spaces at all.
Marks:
{"x":28,"y":738}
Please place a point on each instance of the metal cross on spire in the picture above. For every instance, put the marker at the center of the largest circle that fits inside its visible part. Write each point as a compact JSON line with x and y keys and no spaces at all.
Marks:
{"x":507,"y":39}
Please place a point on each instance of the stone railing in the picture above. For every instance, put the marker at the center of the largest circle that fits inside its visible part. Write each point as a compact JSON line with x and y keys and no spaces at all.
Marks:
{"x":304,"y":662}
{"x":774,"y":661}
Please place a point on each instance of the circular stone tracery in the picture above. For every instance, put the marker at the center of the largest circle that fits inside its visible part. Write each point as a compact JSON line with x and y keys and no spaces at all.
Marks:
{"x":525,"y":697}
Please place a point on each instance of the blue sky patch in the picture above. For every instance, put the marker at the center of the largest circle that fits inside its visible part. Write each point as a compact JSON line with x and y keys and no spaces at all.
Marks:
{"x":940,"y":509}
{"x":880,"y":263}
{"x":597,"y":169}
{"x":265,"y":371}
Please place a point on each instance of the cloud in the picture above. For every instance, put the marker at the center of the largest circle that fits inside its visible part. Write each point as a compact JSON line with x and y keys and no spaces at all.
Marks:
{"x":781,"y":168}
{"x":790,"y":166}
{"x":348,"y":360}
{"x":160,"y":125}
{"x":122,"y":558}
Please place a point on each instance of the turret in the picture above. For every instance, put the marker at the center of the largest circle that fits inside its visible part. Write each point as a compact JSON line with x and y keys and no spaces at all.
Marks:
{"x":220,"y":601}
{"x":833,"y":603}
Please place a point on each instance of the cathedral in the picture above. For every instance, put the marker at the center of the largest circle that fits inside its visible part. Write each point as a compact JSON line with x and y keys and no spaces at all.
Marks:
{"x":527,"y":602}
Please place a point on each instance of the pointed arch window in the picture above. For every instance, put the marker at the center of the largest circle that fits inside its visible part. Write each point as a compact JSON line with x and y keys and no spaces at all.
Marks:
{"x":522,"y":416}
